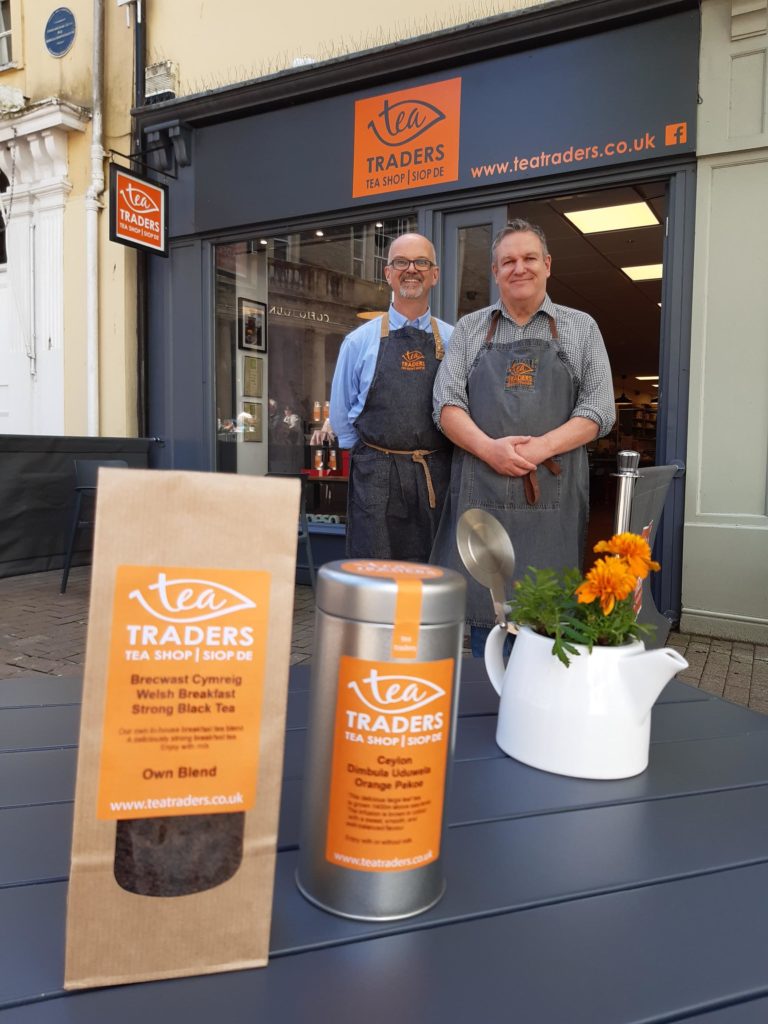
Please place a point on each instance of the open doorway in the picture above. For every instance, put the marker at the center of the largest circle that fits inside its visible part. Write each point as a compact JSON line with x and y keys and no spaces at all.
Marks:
{"x":607,"y":249}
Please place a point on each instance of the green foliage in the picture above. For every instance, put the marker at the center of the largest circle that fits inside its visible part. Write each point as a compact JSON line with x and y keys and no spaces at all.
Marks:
{"x":546,"y":601}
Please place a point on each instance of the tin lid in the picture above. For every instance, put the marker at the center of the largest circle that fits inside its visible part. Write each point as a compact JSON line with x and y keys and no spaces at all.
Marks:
{"x":366,"y":590}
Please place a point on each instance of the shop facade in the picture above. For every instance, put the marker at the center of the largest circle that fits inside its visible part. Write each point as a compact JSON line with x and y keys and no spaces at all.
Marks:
{"x":288,"y":191}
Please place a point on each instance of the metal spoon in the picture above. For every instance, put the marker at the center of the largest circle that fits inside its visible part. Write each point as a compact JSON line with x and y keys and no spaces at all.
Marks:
{"x":487,"y":554}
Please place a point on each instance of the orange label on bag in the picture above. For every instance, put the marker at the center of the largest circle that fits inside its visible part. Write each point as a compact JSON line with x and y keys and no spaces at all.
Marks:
{"x":390,"y":751}
{"x":183,"y":692}
{"x":408,"y":577}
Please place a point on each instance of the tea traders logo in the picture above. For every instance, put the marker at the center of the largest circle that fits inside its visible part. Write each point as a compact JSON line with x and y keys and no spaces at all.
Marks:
{"x":190,"y":600}
{"x":407,"y":139}
{"x":413,"y":360}
{"x":391,"y":695}
{"x":138,"y":200}
{"x":520,"y":375}
{"x":137,"y":211}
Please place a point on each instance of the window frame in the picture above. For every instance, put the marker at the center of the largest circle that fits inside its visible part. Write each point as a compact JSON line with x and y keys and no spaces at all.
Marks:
{"x":12,"y":34}
{"x":5,"y":186}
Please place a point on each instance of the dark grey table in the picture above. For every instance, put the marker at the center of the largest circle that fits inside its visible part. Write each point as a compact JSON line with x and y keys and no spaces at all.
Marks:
{"x":568,"y":901}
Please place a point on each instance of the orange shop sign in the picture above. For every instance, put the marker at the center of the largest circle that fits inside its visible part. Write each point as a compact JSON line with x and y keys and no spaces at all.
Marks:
{"x":138,"y":211}
{"x":407,"y":139}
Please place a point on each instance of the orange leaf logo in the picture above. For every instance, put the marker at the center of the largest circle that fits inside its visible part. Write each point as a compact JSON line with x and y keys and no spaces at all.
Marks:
{"x":401,"y":123}
{"x":413,"y":360}
{"x":395,"y":695}
{"x":189,"y":599}
{"x":520,"y":375}
{"x":137,"y":200}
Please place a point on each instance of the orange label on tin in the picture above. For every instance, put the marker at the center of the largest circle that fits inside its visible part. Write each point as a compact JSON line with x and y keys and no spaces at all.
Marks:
{"x":184,"y":691}
{"x":390,"y":752}
{"x":408,"y":577}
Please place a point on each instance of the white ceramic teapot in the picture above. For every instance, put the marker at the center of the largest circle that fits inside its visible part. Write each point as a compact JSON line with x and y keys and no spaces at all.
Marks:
{"x":591,"y":719}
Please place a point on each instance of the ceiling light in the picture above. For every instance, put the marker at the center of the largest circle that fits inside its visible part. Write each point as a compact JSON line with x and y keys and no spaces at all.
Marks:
{"x":262,"y":241}
{"x":613,"y":218}
{"x":648,"y":272}
{"x":654,"y":376}
{"x":379,"y":224}
{"x":319,"y":233}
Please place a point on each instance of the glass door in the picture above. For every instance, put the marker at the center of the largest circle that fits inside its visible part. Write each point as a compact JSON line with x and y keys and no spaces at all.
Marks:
{"x":466,"y":260}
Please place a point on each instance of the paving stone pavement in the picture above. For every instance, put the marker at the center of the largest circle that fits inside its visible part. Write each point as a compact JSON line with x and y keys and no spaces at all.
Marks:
{"x":43,"y":632}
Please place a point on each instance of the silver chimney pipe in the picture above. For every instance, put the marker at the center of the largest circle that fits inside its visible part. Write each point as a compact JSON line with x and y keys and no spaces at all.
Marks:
{"x":627,"y":474}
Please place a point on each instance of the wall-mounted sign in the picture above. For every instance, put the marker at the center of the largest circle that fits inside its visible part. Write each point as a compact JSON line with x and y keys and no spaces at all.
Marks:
{"x":60,"y":32}
{"x":138,"y":211}
{"x":579,"y":105}
{"x":407,"y":139}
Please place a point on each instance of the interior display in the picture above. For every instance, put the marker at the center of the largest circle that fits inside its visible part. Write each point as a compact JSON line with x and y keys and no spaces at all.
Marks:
{"x":252,"y":318}
{"x":251,"y":421}
{"x":253,"y":376}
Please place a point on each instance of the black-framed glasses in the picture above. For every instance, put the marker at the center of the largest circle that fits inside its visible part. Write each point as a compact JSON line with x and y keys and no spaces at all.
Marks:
{"x":401,"y":263}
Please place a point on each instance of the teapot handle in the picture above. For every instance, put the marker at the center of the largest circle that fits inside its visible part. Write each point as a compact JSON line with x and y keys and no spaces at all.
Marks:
{"x":494,"y":660}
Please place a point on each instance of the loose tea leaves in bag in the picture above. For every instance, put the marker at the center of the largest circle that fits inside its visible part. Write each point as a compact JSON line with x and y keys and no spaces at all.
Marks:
{"x":178,"y":856}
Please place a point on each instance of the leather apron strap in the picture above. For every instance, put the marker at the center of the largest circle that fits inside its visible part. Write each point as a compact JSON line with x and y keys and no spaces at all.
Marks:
{"x":530,"y":480}
{"x":439,"y":347}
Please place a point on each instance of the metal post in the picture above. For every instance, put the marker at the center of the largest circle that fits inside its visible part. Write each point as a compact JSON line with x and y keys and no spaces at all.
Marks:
{"x":627,"y":474}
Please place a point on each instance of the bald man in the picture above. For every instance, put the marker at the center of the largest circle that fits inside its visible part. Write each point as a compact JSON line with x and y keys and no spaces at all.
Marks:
{"x":381,"y":408}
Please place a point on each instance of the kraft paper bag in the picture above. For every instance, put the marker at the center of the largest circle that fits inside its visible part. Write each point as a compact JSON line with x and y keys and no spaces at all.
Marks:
{"x":183,"y":721}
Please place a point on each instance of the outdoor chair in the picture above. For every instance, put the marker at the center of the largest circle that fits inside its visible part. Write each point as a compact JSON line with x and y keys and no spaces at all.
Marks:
{"x":303,"y":534}
{"x":304,"y":537}
{"x":83,"y":515}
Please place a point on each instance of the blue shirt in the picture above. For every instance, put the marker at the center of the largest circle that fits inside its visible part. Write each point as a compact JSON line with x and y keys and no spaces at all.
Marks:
{"x":356,"y":365}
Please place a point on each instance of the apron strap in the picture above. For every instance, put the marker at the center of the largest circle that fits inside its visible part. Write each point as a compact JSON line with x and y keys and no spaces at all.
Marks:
{"x":492,"y":327}
{"x":417,"y":456}
{"x":496,"y":316}
{"x":531,"y":481}
{"x":439,"y":347}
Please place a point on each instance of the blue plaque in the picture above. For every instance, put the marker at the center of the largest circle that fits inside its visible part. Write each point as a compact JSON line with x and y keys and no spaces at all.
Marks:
{"x":60,"y":32}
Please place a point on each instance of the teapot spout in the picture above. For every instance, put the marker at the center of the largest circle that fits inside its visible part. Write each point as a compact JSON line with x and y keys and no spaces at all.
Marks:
{"x":646,"y":674}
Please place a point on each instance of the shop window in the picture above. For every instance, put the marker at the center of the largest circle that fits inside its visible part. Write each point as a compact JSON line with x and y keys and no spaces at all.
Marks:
{"x":283,"y":306}
{"x":6,"y":51}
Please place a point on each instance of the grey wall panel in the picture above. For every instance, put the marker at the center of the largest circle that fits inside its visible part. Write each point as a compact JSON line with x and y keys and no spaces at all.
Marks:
{"x":593,"y":94}
{"x":179,"y":383}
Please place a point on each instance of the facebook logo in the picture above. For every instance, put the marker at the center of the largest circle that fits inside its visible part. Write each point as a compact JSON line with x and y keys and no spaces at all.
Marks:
{"x":676,"y":134}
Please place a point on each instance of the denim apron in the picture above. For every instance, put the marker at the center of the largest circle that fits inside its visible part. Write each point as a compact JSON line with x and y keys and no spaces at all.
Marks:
{"x":519,"y":387}
{"x":400,"y":466}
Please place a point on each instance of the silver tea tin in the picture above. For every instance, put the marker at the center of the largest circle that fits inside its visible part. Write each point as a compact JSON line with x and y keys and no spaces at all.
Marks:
{"x":382,"y":723}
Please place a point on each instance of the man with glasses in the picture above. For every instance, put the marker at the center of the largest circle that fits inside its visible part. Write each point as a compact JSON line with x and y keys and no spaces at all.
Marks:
{"x":381,"y":408}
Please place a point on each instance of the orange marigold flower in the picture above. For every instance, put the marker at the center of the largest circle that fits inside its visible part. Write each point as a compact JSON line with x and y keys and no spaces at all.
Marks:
{"x":633,"y":549}
{"x":609,"y":579}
